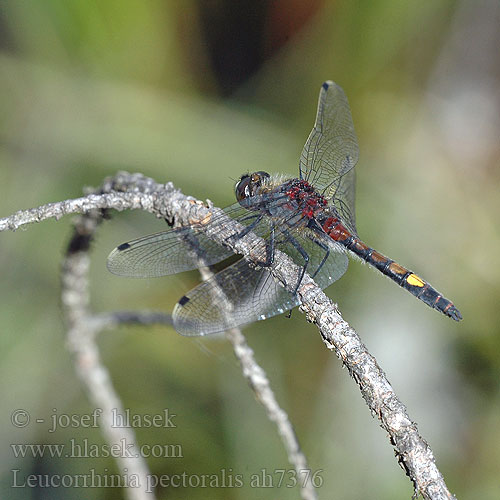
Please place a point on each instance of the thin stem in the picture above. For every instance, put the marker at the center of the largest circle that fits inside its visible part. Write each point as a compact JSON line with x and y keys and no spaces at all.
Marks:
{"x":82,"y":331}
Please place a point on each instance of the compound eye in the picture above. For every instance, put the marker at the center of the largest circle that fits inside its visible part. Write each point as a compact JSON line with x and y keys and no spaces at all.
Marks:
{"x":242,"y":188}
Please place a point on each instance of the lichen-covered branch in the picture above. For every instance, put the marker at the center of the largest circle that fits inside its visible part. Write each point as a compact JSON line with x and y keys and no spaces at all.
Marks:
{"x":82,"y":330}
{"x":127,"y":191}
{"x":94,"y":375}
{"x":259,"y":383}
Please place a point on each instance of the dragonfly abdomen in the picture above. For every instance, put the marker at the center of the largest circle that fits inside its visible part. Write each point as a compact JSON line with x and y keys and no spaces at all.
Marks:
{"x":403,"y":277}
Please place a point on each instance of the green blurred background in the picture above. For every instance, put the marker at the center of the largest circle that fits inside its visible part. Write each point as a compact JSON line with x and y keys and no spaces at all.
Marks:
{"x":198,"y":93}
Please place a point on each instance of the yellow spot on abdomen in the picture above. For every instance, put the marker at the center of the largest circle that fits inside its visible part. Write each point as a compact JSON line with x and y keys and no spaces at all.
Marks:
{"x":414,"y":280}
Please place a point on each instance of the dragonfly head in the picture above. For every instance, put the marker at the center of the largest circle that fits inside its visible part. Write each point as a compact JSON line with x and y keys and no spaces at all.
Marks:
{"x":249,"y":185}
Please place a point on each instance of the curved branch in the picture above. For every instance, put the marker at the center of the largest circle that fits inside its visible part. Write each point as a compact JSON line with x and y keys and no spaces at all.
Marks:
{"x":126,"y":191}
{"x":82,"y":331}
{"x":259,"y":383}
{"x":83,"y":327}
{"x":143,"y":318}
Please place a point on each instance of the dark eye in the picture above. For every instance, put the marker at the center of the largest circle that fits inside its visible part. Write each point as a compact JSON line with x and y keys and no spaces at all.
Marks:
{"x":249,"y":185}
{"x":242,"y":187}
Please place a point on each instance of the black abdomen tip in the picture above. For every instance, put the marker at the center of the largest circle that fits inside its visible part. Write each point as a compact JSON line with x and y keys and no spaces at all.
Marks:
{"x":454,"y":313}
{"x":123,"y":246}
{"x":183,"y":300}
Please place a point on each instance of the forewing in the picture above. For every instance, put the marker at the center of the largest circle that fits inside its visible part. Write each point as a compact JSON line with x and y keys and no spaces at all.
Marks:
{"x":164,"y":253}
{"x":343,"y":199}
{"x":331,"y":150}
{"x":174,"y":251}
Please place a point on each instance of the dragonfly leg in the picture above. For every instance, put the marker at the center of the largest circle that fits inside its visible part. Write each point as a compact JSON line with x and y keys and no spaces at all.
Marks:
{"x":313,"y":224}
{"x":326,"y":248}
{"x":270,"y":244}
{"x":302,"y":252}
{"x":248,"y":228}
{"x":270,"y":247}
{"x":250,"y":217}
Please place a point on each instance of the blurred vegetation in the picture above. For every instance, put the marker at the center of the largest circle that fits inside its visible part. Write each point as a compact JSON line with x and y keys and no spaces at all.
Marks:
{"x":197,"y":93}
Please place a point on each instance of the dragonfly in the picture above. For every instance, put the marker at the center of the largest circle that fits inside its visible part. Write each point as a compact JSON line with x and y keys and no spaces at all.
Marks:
{"x":310,"y":218}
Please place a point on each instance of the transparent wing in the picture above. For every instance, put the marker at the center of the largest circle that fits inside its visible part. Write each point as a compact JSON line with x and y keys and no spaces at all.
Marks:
{"x":331,"y":151}
{"x":164,"y":253}
{"x":239,"y":294}
{"x":173,"y":251}
{"x":226,"y":301}
{"x":343,"y":200}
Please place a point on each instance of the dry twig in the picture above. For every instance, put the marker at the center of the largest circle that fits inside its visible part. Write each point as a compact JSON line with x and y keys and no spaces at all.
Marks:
{"x":126,"y":191}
